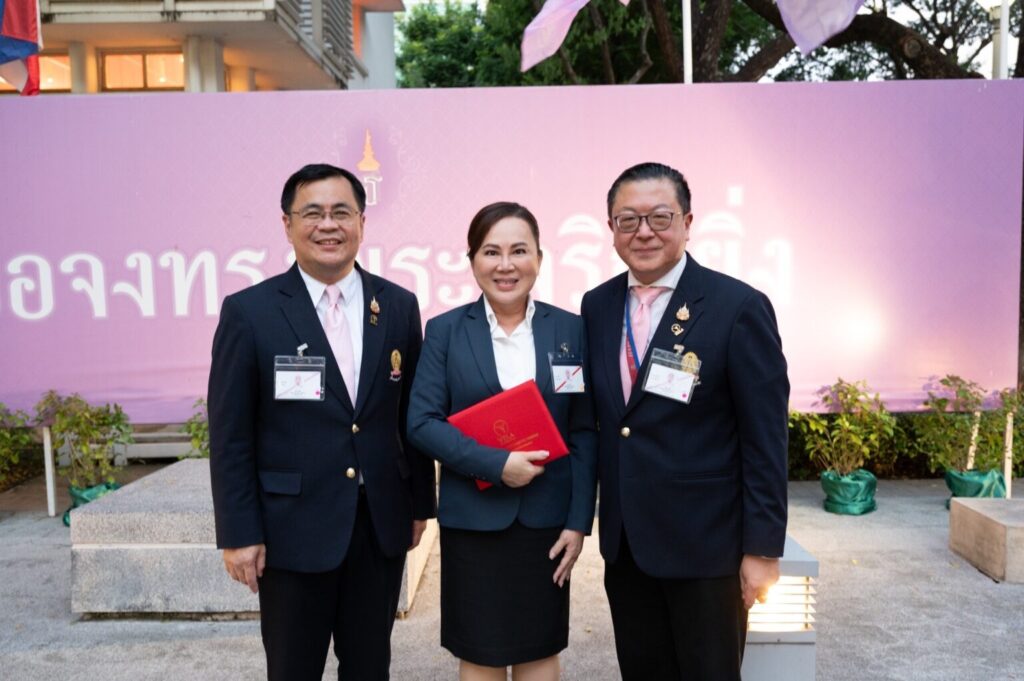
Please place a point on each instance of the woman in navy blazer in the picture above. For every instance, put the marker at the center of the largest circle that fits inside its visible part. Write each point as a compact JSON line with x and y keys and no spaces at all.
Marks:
{"x":507,"y":551}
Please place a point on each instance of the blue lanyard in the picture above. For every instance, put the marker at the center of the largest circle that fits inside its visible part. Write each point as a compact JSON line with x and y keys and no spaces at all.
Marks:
{"x":629,"y":335}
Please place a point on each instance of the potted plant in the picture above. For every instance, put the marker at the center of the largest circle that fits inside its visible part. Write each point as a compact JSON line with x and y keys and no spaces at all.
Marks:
{"x":198,"y":430}
{"x":855,"y":427}
{"x":88,"y":436}
{"x":962,"y":439}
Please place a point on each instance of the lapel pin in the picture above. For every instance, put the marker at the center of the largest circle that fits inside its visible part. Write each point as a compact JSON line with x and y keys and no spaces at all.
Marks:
{"x":683,"y":313}
{"x":396,"y":366}
{"x":676,"y":329}
{"x":678,"y":348}
{"x":564,"y":347}
{"x":690,"y":363}
{"x":374,"y":311}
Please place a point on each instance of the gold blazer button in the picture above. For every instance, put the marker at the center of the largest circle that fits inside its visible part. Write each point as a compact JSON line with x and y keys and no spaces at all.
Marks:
{"x":625,"y":431}
{"x":355,"y":428}
{"x":350,"y":473}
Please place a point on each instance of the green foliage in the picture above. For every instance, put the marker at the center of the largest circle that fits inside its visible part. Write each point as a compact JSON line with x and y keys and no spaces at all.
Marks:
{"x":88,"y":434}
{"x":993,"y":429}
{"x":15,"y":438}
{"x":440,"y":46}
{"x":946,"y":433}
{"x":857,"y":428}
{"x":198,"y":430}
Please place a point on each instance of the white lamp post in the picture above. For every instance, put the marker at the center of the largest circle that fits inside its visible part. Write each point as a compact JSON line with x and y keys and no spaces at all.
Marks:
{"x":999,"y":11}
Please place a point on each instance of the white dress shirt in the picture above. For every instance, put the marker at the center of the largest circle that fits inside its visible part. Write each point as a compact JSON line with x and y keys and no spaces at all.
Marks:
{"x":514,"y":354}
{"x":351,"y":305}
{"x":670,"y":280}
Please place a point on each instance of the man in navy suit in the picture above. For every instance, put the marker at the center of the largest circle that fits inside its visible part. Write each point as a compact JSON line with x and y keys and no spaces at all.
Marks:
{"x":691,"y":396}
{"x":317,"y":493}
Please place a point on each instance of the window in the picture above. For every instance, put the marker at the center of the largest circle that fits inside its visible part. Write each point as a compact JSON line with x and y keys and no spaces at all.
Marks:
{"x":143,"y":71}
{"x":54,"y":74}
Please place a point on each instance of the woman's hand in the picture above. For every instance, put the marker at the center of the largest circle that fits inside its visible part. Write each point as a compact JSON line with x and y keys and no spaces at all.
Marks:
{"x":519,"y":468}
{"x":571,"y":542}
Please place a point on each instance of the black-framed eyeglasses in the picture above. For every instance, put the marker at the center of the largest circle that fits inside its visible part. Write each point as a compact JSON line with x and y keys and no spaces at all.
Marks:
{"x":314,"y":216}
{"x":658,"y":221}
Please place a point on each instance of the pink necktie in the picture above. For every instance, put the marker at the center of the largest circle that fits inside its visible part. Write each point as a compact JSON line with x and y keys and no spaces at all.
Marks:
{"x":336,"y":328}
{"x":640,"y":321}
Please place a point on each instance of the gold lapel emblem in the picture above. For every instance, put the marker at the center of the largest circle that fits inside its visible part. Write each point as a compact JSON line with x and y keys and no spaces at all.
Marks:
{"x":374,"y":310}
{"x":396,"y":366}
{"x":690,"y":363}
{"x":678,"y":348}
{"x":683,"y":313}
{"x":676,"y":329}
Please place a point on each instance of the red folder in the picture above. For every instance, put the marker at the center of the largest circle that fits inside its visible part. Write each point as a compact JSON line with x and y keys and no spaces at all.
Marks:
{"x":517,"y":420}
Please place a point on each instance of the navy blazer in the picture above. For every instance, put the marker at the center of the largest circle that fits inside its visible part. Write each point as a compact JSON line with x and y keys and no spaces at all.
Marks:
{"x":278,"y":468}
{"x":695,"y":486}
{"x":457,"y":370}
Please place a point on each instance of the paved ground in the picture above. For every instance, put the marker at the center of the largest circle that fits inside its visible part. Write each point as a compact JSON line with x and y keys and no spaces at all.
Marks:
{"x":894,"y":604}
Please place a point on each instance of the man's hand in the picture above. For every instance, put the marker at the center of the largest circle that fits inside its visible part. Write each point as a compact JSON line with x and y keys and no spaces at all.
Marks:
{"x":570,"y":541}
{"x":418,"y":527}
{"x":246,"y":564}
{"x":757,"y":574}
{"x":519,"y":468}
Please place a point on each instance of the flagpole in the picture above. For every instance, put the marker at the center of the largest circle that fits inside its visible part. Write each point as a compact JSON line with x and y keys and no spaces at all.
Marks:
{"x":688,"y":43}
{"x":1004,"y":40}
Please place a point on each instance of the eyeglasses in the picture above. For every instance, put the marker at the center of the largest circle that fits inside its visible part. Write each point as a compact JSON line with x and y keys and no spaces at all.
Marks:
{"x":659,"y":221}
{"x":314,"y":216}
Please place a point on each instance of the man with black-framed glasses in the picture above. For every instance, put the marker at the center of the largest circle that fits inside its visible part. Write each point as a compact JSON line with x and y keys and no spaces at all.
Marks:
{"x":317,"y":493}
{"x":691,"y":394}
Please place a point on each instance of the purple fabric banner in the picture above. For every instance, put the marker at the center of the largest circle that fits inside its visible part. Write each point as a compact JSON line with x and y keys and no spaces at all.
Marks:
{"x":811,"y":22}
{"x":883,"y":220}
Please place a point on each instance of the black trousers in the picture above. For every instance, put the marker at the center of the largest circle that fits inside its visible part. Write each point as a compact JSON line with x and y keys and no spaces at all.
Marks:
{"x":354,"y":603}
{"x":675,"y":629}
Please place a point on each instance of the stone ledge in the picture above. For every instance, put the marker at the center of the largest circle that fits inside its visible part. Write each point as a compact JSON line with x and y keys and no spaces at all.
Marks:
{"x":989,"y":534}
{"x":150,"y":547}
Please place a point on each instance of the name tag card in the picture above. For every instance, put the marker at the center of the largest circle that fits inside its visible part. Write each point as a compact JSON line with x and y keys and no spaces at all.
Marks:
{"x":671,"y":375}
{"x":566,"y":373}
{"x":299,"y":378}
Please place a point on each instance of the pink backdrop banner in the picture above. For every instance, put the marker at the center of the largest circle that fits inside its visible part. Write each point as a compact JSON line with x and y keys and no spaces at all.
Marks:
{"x":884,"y":220}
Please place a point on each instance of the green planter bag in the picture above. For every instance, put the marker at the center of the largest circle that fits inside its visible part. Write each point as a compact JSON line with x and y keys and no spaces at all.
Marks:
{"x":80,"y":496}
{"x":978,"y":484}
{"x":852,"y":494}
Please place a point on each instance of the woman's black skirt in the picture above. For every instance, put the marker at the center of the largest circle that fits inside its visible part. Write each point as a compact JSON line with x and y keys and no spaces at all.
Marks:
{"x":499,"y":605}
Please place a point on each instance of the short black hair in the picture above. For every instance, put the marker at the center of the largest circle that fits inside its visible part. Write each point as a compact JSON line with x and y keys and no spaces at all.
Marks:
{"x":492,"y":214}
{"x":652,"y":171}
{"x":314,"y":172}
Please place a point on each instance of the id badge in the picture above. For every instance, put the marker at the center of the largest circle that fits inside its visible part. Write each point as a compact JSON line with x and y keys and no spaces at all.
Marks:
{"x":299,"y":378}
{"x":672,"y":375}
{"x":566,"y":372}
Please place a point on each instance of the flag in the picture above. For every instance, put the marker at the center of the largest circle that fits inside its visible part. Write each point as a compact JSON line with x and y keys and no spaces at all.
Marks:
{"x":812,"y":22}
{"x":545,"y":34}
{"x":20,"y":42}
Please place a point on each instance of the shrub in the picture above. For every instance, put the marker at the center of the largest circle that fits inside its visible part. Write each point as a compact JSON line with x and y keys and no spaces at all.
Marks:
{"x":856,"y":428}
{"x":15,"y":439}
{"x":87,"y":434}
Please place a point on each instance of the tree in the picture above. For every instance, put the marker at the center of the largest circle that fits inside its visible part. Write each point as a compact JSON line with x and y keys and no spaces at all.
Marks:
{"x":733,"y":41}
{"x":439,"y":46}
